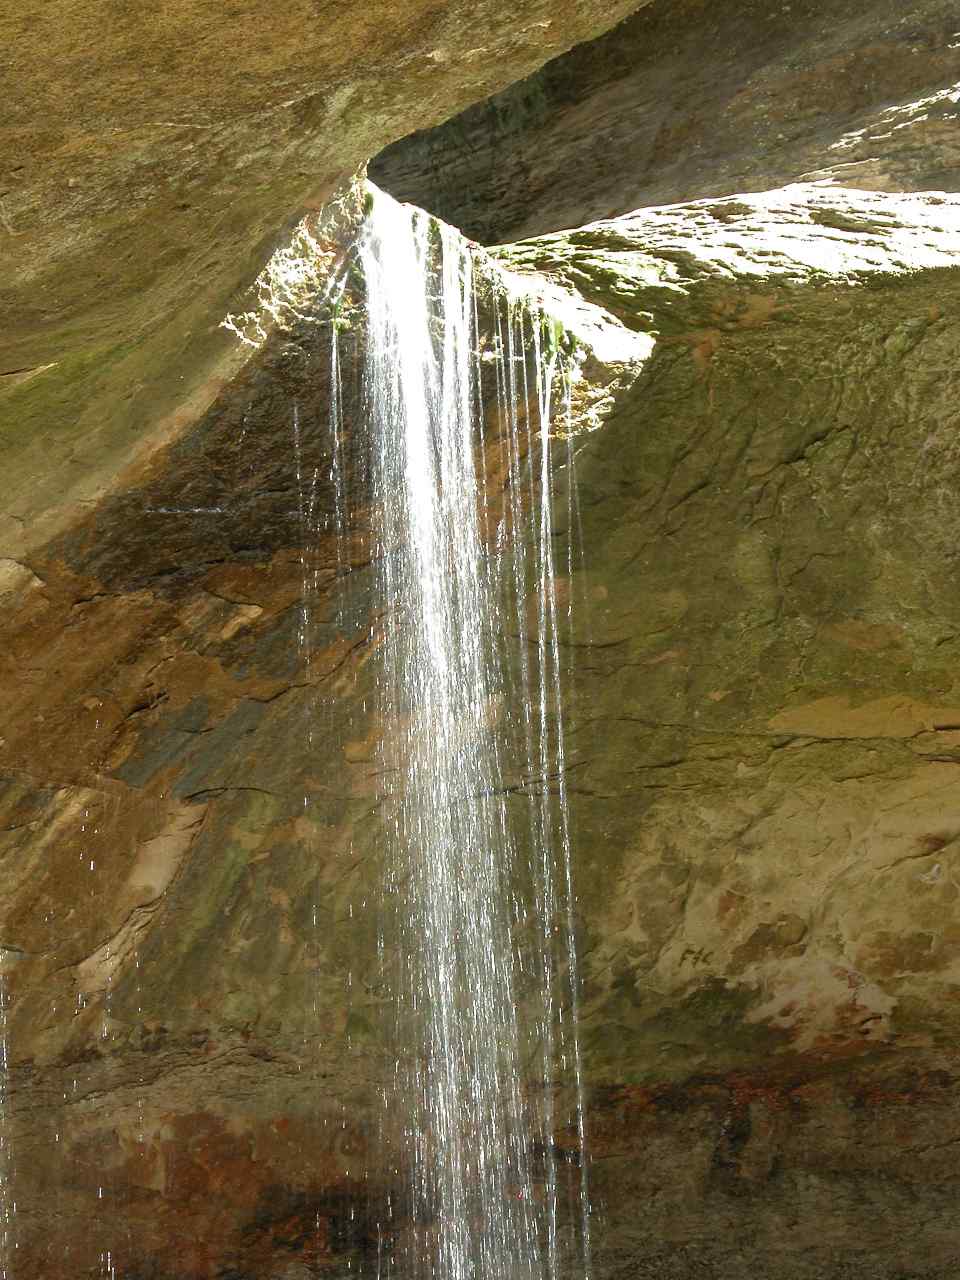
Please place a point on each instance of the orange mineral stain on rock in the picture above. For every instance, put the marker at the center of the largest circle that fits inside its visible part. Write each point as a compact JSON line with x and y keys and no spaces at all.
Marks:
{"x":864,"y":636}
{"x":835,"y":716}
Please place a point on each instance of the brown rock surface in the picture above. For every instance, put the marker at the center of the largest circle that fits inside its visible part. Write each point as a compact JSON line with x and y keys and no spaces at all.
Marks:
{"x":764,"y":742}
{"x":687,"y":99}
{"x":763,"y":737}
{"x":762,"y":772}
{"x":151,"y":160}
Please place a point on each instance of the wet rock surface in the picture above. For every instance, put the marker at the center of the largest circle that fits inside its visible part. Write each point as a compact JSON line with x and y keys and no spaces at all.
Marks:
{"x":762,"y":746}
{"x":762,"y":735}
{"x":764,"y":730}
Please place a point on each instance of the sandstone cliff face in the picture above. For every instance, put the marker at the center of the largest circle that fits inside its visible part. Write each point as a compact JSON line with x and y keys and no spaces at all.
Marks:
{"x":763,"y":727}
{"x":766,"y":652}
{"x":151,"y":162}
{"x":764,"y":742}
{"x":692,"y":99}
{"x":764,"y":718}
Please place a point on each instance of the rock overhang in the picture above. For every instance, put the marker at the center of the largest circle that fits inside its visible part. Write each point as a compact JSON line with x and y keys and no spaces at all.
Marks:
{"x":764,"y":749}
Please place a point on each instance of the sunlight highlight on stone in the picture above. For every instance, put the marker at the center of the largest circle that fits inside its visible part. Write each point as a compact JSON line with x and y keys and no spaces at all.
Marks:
{"x":798,"y":233}
{"x":901,"y":116}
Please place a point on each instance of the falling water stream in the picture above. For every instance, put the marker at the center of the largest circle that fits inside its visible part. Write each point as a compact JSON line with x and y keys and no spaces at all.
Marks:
{"x":482,"y":1116}
{"x":7,"y":1202}
{"x":482,"y":974}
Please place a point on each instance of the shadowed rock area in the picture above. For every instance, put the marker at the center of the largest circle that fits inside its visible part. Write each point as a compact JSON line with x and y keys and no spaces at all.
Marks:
{"x":762,"y":699}
{"x":691,"y":99}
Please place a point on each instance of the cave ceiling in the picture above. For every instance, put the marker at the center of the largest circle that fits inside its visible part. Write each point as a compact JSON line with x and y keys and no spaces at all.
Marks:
{"x":689,"y":100}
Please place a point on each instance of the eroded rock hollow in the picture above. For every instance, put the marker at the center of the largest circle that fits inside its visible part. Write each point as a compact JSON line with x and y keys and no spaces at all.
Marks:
{"x":748,"y":218}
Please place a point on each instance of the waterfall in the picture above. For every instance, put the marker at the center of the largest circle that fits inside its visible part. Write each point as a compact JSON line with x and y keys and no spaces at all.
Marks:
{"x":7,"y":1204}
{"x":481,"y":969}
